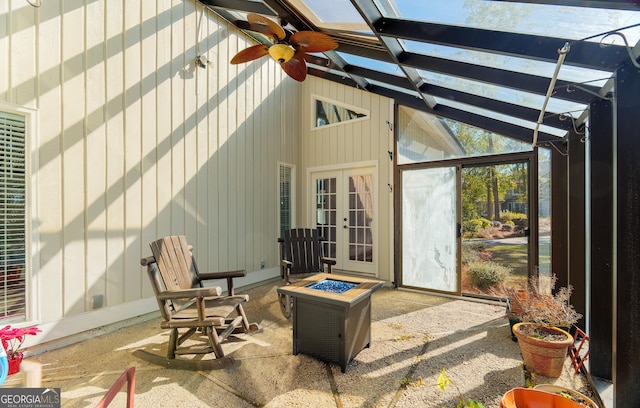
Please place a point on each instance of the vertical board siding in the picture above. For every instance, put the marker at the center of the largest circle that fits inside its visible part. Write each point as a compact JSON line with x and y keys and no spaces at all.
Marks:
{"x":136,"y":142}
{"x":73,"y":156}
{"x":342,"y":145}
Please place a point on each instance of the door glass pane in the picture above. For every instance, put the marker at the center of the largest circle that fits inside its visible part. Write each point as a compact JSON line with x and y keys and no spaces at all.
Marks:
{"x":360,"y":222}
{"x":286,"y":199}
{"x":326,"y":213}
{"x":544,"y":219}
{"x":429,"y":236}
{"x":495,"y":245}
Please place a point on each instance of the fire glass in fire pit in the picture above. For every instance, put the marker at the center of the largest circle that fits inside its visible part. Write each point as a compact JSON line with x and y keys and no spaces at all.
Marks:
{"x":333,"y":286}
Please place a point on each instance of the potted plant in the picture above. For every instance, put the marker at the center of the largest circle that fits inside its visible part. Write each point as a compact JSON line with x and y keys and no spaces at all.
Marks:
{"x":12,"y":339}
{"x":543,"y":326}
{"x":534,"y":307}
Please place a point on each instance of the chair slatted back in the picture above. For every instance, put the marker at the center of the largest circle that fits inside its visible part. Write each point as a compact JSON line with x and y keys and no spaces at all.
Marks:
{"x":303,"y":247}
{"x":176,"y":264}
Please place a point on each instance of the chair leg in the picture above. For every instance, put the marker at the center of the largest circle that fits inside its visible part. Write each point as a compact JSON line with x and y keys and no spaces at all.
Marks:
{"x":173,"y":343}
{"x":246,"y":326}
{"x":285,"y":305}
{"x":214,"y":341}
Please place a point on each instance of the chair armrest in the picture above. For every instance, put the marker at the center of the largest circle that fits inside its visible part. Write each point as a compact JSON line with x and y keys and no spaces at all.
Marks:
{"x":210,"y":291}
{"x":148,"y":260}
{"x":285,"y":269}
{"x":228,"y":275}
{"x":328,"y":261}
{"x":222,"y":275}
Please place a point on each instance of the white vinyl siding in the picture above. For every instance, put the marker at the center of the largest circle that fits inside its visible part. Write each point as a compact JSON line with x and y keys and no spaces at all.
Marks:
{"x":135,"y":142}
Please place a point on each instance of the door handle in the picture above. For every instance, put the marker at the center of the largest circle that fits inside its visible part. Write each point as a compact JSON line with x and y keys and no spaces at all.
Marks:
{"x":345,"y":226}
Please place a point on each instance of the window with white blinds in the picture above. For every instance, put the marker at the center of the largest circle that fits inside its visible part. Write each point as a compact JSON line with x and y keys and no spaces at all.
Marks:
{"x":12,"y":218}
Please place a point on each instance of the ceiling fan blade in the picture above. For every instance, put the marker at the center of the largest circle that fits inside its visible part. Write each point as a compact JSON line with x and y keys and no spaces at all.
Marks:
{"x":296,"y":68}
{"x":313,"y":41}
{"x":266,"y":26}
{"x":251,"y":53}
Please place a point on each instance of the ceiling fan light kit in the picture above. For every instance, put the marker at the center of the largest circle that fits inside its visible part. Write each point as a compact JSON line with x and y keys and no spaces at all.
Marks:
{"x":281,"y":52}
{"x":288,"y":49}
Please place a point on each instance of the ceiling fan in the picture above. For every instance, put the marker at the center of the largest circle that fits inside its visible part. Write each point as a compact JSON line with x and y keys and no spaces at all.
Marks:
{"x":288,"y":49}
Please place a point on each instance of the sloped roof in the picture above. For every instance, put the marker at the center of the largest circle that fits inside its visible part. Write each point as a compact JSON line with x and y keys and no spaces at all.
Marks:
{"x":523,"y":69}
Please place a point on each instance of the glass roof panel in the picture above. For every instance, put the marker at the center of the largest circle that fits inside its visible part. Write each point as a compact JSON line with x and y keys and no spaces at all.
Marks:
{"x":370,"y":63}
{"x":568,"y":22}
{"x":332,"y":14}
{"x":503,"y":118}
{"x":395,"y":88}
{"x":423,"y":137}
{"x":500,"y":93}
{"x":325,"y":69}
{"x":509,"y":63}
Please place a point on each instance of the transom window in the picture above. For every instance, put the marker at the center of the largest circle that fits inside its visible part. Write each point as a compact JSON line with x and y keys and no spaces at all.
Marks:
{"x":331,"y":113}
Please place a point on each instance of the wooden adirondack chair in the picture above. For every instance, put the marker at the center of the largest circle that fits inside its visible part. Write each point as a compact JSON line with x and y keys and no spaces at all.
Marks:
{"x":302,"y":252}
{"x":186,"y":304}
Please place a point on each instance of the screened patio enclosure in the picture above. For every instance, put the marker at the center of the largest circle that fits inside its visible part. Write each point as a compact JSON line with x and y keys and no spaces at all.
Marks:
{"x":124,"y":121}
{"x":563,"y":75}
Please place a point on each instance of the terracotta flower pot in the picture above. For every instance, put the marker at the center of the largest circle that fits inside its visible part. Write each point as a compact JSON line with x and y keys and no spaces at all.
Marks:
{"x":543,"y":356}
{"x":530,"y":398}
{"x":14,"y":363}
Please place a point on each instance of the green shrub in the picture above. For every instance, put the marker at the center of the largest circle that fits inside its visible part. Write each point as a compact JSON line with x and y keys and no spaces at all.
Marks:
{"x":507,"y":216}
{"x":473,"y":226}
{"x":470,"y":253}
{"x":485,"y":275}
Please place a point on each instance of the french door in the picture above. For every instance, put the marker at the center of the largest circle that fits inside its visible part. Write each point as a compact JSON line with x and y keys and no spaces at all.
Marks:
{"x":343,"y":208}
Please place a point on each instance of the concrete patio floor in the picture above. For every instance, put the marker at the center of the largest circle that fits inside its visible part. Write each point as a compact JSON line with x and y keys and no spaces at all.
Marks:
{"x":414,"y":336}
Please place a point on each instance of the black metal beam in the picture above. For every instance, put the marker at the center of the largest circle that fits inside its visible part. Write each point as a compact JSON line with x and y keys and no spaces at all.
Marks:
{"x":582,"y":54}
{"x":499,"y":127}
{"x":497,"y":106}
{"x":627,"y":241}
{"x":577,"y":233}
{"x":482,"y":122}
{"x":602,"y":185}
{"x":494,"y":105}
{"x":499,"y":77}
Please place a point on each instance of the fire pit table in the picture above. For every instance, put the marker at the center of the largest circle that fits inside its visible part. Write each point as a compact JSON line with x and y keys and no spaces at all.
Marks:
{"x":331,"y":316}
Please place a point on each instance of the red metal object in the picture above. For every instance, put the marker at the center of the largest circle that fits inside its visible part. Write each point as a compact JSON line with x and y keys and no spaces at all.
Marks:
{"x":129,"y":377}
{"x":577,"y":359}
